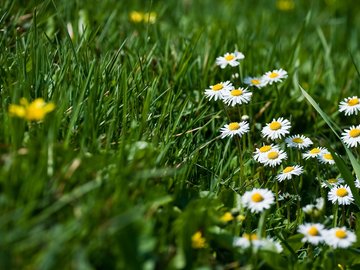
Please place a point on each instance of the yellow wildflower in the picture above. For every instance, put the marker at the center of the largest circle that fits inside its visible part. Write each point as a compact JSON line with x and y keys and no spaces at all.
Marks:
{"x":285,"y":5}
{"x":34,"y":111}
{"x":226,"y":217}
{"x":147,"y":17}
{"x":197,"y":240}
{"x":150,"y":17}
{"x":136,"y":16}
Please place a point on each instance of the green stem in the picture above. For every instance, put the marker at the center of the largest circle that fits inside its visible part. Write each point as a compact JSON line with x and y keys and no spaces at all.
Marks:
{"x":261,"y":225}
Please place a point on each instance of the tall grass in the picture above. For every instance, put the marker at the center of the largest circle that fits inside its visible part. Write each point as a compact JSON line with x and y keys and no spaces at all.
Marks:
{"x":130,"y":164}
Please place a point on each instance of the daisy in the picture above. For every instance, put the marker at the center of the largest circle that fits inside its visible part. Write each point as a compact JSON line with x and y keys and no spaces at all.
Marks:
{"x":276,"y":129}
{"x":276,"y":75}
{"x":246,"y":241}
{"x":315,"y":209}
{"x":350,"y":105}
{"x":340,"y":194}
{"x":289,"y":171}
{"x":351,"y":136}
{"x":298,"y":141}
{"x":332,"y":182}
{"x":234,"y":128}
{"x":216,"y":91}
{"x":357,"y":183}
{"x":255,"y":81}
{"x":229,"y":59}
{"x":313,"y":233}
{"x":273,"y":158}
{"x":257,"y":200}
{"x":315,"y":152}
{"x":270,"y":244}
{"x":237,"y":96}
{"x":340,"y":238}
{"x":263,"y":151}
{"x":326,"y":158}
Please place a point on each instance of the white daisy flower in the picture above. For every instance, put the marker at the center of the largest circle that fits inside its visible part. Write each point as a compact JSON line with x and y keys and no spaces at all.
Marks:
{"x":351,"y":136}
{"x":270,"y":244}
{"x":289,"y":171}
{"x":276,"y":75}
{"x":234,"y":128}
{"x":257,"y":200}
{"x":313,"y":233}
{"x":231,"y":59}
{"x":276,"y":129}
{"x":298,"y":141}
{"x":255,"y":81}
{"x":357,"y":183}
{"x":246,"y":241}
{"x":216,"y":91}
{"x":341,"y":194}
{"x":237,"y":96}
{"x":251,"y":240}
{"x":340,"y":237}
{"x":326,"y":158}
{"x":314,"y":209}
{"x":273,"y":158}
{"x":332,"y":182}
{"x":350,"y":105}
{"x":315,"y":152}
{"x":263,"y":151}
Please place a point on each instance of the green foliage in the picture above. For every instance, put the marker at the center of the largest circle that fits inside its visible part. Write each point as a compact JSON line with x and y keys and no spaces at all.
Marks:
{"x":129,"y":166}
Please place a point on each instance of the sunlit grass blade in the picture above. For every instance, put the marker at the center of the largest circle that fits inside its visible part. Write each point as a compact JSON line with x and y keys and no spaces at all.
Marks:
{"x":345,"y":172}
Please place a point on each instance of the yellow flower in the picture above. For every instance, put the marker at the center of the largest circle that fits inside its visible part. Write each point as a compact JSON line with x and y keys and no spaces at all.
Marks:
{"x":150,"y":17}
{"x":136,"y":16}
{"x":226,"y":217}
{"x":285,"y":5}
{"x":147,"y":17}
{"x":197,"y":240}
{"x":34,"y":111}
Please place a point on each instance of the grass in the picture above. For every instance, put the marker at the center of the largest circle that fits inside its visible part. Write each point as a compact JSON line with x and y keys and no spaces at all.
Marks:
{"x":130,"y":164}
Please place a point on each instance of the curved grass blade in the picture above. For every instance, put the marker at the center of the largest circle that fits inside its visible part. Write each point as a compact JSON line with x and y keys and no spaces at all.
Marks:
{"x":340,"y":164}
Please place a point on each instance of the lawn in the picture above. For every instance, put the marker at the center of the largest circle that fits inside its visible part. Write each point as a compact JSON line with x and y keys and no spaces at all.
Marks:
{"x":179,"y":134}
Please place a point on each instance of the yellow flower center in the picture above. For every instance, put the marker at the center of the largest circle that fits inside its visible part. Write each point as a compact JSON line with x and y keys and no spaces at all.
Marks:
{"x":217,"y":87}
{"x":328,"y":156}
{"x":353,"y":101}
{"x":288,"y":169}
{"x":354,"y":133}
{"x":298,"y":140}
{"x":341,"y":234}
{"x":256,"y":197}
{"x":251,"y":237}
{"x":265,"y":148}
{"x":273,"y":75}
{"x":332,"y":181}
{"x":234,"y":126}
{"x":255,"y":81}
{"x":236,"y":92}
{"x":229,"y":57}
{"x":341,"y":192}
{"x":315,"y":151}
{"x":275,"y":125}
{"x":313,"y":231}
{"x":273,"y":155}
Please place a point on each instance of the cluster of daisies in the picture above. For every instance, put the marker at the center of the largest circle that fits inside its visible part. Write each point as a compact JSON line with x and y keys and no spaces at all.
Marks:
{"x":315,"y":234}
{"x":238,"y":95}
{"x":277,"y":134}
{"x":350,"y":106}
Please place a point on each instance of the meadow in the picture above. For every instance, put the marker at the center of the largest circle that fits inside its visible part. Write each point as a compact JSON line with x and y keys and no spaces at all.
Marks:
{"x":179,"y":134}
